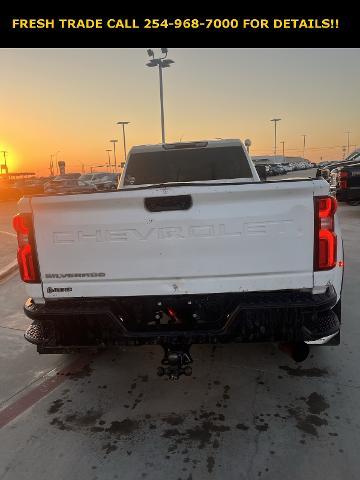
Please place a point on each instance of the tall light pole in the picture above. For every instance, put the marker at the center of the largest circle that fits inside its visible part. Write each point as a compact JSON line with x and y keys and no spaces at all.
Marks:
{"x":52,"y":165}
{"x":161,"y":62}
{"x":348,"y":142}
{"x":275,"y":120}
{"x":123,"y":129}
{"x":304,"y":145}
{"x":283,"y":149}
{"x":114,"y":142}
{"x":109,"y":160}
{"x":56,"y":159}
{"x":4,"y":165}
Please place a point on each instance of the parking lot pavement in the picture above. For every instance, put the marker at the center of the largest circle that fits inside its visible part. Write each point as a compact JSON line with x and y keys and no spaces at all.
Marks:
{"x":20,"y":365}
{"x":248,"y":411}
{"x":8,"y":249}
{"x":7,"y":211}
{"x":7,"y":235}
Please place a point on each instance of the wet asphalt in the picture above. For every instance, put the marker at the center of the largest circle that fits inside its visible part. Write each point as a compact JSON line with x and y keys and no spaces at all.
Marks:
{"x":247,"y":412}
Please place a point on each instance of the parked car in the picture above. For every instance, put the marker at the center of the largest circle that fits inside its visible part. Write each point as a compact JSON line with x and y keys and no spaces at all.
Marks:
{"x":325,"y":164}
{"x":31,"y":186}
{"x":287,"y":167}
{"x":301,"y":165}
{"x":101,"y":181}
{"x":330,"y":170}
{"x":348,"y":184}
{"x":61,"y":183}
{"x":277,"y":169}
{"x":60,"y":186}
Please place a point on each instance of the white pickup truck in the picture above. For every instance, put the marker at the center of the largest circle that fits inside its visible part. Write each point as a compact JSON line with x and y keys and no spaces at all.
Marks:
{"x":192,"y":248}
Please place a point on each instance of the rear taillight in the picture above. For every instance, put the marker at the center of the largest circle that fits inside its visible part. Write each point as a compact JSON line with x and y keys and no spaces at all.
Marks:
{"x":26,"y":254}
{"x":325,"y":242}
{"x":343,"y":180}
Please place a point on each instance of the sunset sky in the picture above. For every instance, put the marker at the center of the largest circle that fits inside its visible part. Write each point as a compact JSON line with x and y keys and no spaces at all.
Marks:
{"x":69,"y":100}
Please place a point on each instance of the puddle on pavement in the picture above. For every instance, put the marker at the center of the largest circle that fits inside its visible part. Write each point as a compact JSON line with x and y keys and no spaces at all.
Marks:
{"x":188,"y":433}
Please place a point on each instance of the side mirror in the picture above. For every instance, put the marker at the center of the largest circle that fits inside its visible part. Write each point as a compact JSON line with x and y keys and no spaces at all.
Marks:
{"x":261,"y":170}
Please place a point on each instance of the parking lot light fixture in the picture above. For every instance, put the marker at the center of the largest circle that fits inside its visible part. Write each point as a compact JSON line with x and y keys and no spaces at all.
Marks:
{"x":124,"y":139}
{"x":109,"y":159}
{"x":114,"y":142}
{"x":348,"y":142}
{"x":4,"y":167}
{"x":283,"y":150}
{"x":275,"y":120}
{"x":160,"y":62}
{"x":304,"y":145}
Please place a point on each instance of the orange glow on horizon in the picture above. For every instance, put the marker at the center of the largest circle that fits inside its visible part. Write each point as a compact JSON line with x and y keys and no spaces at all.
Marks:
{"x":68,"y":102}
{"x":12,"y":159}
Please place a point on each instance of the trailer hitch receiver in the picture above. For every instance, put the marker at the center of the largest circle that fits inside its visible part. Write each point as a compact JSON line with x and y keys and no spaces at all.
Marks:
{"x":176,"y":361}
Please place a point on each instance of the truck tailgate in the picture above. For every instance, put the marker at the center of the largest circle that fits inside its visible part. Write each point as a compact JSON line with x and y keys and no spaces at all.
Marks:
{"x":228,"y":238}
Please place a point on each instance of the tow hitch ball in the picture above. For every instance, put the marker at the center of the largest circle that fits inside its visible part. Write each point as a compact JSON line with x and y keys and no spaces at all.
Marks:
{"x":176,"y":361}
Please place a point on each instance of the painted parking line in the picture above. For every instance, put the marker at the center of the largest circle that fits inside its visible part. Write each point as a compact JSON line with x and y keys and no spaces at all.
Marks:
{"x":6,"y":272}
{"x":19,"y":406}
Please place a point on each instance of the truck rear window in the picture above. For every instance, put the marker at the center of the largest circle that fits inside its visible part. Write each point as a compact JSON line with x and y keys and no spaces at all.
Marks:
{"x":190,"y":165}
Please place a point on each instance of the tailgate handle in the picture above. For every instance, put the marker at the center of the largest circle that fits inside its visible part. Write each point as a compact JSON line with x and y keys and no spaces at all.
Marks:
{"x":166,"y":204}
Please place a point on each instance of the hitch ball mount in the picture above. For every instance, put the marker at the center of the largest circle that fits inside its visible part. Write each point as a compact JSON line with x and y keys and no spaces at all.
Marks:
{"x":176,"y":361}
